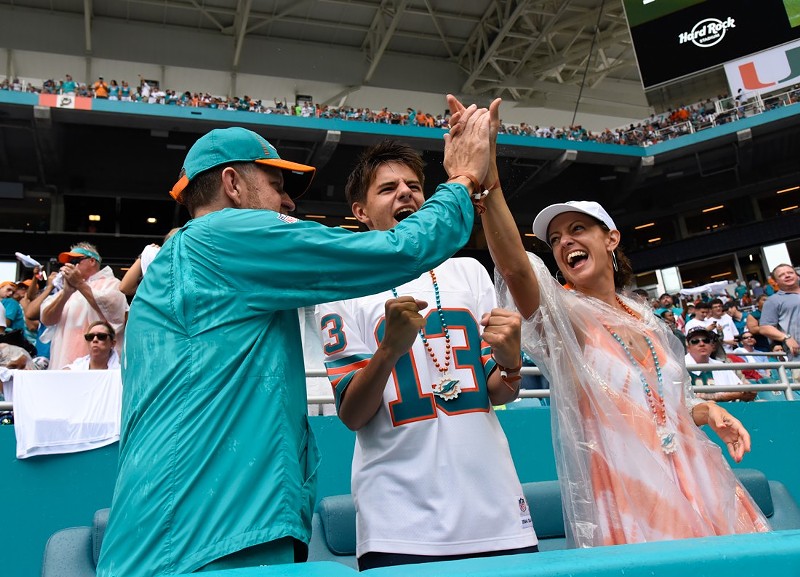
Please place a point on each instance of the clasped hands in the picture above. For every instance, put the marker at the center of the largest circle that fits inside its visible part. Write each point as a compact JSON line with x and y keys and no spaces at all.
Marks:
{"x":501,"y":329}
{"x":73,"y":278}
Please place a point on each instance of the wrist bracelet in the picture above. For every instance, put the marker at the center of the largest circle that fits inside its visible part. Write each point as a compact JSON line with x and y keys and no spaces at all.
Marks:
{"x":478,"y":192}
{"x":509,"y":376}
{"x":476,"y":187}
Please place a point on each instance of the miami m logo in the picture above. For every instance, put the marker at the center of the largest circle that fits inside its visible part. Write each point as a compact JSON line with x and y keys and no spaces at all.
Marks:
{"x":749,"y":73}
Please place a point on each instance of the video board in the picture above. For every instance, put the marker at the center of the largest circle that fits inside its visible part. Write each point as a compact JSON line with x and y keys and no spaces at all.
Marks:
{"x":676,"y":38}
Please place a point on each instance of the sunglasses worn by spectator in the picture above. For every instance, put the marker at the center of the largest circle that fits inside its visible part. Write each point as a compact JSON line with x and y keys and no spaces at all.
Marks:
{"x":695,"y":341}
{"x":76,"y":260}
{"x":100,"y":336}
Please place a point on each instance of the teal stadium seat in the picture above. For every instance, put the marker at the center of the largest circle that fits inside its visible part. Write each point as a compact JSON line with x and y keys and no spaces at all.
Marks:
{"x":74,"y":552}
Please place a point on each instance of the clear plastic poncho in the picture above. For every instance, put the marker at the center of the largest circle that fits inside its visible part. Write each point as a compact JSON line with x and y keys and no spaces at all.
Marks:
{"x":621,"y":482}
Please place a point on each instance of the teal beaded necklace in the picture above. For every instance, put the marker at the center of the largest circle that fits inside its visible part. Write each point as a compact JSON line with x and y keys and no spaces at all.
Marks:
{"x":447,"y":387}
{"x":657,"y":407}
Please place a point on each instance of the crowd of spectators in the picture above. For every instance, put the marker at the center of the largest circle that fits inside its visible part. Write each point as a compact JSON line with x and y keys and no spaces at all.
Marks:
{"x":727,"y":327}
{"x":723,"y":327}
{"x":684,"y":119}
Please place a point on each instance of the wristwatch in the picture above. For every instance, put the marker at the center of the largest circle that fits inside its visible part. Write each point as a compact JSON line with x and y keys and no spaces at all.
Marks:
{"x":786,"y":337}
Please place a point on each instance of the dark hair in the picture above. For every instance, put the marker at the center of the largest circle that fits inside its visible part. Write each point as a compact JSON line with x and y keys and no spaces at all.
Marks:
{"x":772,"y":274}
{"x":713,"y":302}
{"x":111,"y":330}
{"x":623,"y":276}
{"x":372,"y":159}
{"x":204,"y":188}
{"x":703,"y":305}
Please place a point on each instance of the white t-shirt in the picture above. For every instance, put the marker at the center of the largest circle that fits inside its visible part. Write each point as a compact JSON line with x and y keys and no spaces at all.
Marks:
{"x":717,"y":377}
{"x":429,"y":476}
{"x":3,"y":322}
{"x":729,"y":330}
{"x":82,"y":364}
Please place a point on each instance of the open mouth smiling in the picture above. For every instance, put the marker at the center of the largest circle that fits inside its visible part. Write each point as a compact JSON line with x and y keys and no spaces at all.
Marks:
{"x":403,"y":213}
{"x":576,"y":256}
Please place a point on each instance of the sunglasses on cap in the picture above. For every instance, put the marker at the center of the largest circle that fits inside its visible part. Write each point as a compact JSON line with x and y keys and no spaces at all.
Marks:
{"x":698,"y":340}
{"x":100,"y":336}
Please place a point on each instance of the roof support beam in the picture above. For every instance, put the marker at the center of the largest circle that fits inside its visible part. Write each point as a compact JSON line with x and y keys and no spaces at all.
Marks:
{"x":489,"y":36}
{"x":87,"y":26}
{"x":240,"y":25}
{"x":379,"y":31}
{"x":207,"y":14}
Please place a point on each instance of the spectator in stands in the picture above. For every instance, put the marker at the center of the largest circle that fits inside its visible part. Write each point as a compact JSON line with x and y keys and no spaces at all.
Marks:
{"x":700,"y":343}
{"x":33,"y":312}
{"x":749,"y":353}
{"x":100,"y":88}
{"x":380,"y":352}
{"x":12,"y":358}
{"x":667,"y":302}
{"x":68,"y":86}
{"x":15,"y":317}
{"x":215,"y":335}
{"x":629,"y":438}
{"x":780,"y":318}
{"x":725,"y":323}
{"x":753,"y":324}
{"x":135,"y":274}
{"x":100,"y":339}
{"x":702,"y":312}
{"x":113,"y":90}
{"x":669,"y":318}
{"x":739,"y":318}
{"x":125,"y":92}
{"x":89,"y":294}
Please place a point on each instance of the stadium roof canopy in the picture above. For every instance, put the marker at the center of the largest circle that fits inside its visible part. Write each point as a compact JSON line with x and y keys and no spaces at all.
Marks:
{"x":533,"y":52}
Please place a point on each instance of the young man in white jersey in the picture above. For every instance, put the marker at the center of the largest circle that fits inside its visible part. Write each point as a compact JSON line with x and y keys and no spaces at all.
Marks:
{"x":415,"y":371}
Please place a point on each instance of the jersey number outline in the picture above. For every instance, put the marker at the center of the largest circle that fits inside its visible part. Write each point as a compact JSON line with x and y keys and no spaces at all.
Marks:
{"x":412,"y":404}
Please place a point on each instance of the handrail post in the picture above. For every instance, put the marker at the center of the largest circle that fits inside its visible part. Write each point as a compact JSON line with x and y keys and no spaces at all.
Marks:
{"x":785,"y":382}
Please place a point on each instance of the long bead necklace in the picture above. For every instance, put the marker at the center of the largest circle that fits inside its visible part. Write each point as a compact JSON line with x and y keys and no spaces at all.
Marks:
{"x":657,"y":407}
{"x":626,"y":308}
{"x":447,"y":386}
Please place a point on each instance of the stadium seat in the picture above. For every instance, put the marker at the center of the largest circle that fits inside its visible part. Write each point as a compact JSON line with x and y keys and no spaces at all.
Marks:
{"x":74,"y":552}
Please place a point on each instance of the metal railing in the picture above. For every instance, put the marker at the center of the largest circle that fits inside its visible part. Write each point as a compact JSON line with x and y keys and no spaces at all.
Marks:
{"x":785,"y":383}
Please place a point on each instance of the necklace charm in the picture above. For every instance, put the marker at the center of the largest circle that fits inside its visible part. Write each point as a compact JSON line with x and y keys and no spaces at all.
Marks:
{"x":447,"y":388}
{"x":669,"y":443}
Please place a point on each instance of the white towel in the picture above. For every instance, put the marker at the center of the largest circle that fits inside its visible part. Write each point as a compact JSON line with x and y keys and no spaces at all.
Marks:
{"x":65,"y":411}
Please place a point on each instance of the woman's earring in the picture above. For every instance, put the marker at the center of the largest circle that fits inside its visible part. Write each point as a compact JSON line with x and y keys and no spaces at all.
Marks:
{"x":614,"y":261}
{"x":562,"y":281}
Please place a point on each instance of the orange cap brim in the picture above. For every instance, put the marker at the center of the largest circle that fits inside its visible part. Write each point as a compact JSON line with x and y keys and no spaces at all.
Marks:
{"x":177,"y":190}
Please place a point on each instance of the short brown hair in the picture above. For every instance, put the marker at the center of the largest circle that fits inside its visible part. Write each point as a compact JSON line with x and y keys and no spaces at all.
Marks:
{"x":204,"y":188}
{"x":111,"y":330}
{"x":372,"y":159}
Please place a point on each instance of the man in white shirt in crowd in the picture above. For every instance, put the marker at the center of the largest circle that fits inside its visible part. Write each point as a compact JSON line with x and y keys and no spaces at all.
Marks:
{"x":700,"y":343}
{"x":724,"y":322}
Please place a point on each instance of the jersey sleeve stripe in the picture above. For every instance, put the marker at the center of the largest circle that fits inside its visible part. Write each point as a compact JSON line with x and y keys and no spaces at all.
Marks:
{"x":486,"y":358}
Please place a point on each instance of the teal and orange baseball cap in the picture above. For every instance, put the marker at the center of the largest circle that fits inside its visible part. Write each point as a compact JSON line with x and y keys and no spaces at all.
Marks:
{"x":78,"y":252}
{"x":236,"y":144}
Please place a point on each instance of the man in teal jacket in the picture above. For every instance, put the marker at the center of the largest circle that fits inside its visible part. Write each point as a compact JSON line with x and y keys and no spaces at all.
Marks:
{"x":217,"y":460}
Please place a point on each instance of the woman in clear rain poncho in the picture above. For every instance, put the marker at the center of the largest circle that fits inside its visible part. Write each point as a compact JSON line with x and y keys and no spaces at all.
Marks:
{"x":632,"y":462}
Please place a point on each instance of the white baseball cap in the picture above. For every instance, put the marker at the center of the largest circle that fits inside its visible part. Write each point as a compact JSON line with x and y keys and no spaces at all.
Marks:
{"x":542,"y":221}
